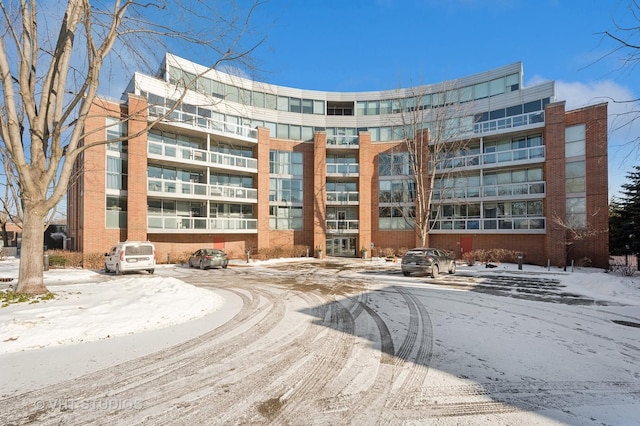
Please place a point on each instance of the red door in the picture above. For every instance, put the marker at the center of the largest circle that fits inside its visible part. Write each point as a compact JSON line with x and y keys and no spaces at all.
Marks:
{"x":465,"y":245}
{"x":218,"y":243}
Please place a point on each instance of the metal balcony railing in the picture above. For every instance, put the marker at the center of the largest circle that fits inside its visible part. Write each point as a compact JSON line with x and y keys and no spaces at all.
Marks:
{"x":166,"y":151}
{"x":205,"y":123}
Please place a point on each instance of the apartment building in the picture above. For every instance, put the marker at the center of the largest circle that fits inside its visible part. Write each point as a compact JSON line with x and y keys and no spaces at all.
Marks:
{"x":243,"y":165}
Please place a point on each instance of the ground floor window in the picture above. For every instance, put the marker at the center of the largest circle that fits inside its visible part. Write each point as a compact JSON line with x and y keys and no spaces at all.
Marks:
{"x":116,"y":211}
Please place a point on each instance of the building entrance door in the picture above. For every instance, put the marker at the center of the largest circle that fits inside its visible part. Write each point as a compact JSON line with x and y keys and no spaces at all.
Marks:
{"x":341,"y":246}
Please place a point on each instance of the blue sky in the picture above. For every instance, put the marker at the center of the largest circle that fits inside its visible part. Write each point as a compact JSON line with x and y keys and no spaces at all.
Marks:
{"x":362,"y":45}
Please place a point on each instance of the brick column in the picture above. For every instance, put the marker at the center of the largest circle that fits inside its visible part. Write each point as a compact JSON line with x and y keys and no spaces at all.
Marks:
{"x":262,"y":207}
{"x":554,"y":175}
{"x":365,"y":208}
{"x":320,"y":190}
{"x":137,"y":172}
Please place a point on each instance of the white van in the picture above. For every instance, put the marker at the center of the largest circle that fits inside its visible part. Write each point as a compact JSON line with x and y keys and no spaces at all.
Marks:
{"x":131,"y":256}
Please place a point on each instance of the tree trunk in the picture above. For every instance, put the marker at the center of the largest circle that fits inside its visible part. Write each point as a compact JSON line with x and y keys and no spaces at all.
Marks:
{"x":31,"y":273}
{"x":5,"y":235}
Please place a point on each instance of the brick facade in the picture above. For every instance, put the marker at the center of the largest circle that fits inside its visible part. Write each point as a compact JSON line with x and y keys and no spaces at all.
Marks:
{"x":86,"y":198}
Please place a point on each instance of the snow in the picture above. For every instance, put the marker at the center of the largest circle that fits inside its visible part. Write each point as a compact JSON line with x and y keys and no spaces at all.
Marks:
{"x":86,"y":308}
{"x":152,"y":312}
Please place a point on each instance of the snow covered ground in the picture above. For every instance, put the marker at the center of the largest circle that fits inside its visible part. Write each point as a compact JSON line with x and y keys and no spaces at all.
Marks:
{"x":156,"y":311}
{"x":88,"y":308}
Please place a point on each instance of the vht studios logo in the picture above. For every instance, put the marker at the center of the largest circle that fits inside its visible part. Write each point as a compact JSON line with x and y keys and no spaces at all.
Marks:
{"x":64,"y":404}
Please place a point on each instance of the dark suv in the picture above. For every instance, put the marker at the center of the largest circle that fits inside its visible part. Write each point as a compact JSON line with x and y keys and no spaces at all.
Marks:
{"x":427,"y":261}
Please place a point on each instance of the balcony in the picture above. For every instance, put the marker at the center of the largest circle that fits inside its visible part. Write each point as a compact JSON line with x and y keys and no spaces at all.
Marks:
{"x":343,"y":198}
{"x":201,"y":225}
{"x":525,"y":225}
{"x":519,"y":190}
{"x":187,"y":155}
{"x":531,"y":154}
{"x":506,"y":123}
{"x":179,"y":189}
{"x":342,"y":226}
{"x":343,"y":169}
{"x":343,"y":141}
{"x":217,"y":127}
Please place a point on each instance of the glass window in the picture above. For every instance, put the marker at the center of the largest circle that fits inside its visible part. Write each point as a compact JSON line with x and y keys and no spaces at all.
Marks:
{"x":271,"y":101}
{"x":232,"y":94}
{"x":514,"y":110}
{"x":295,"y":132}
{"x":258,"y":99}
{"x":466,"y":94}
{"x":575,"y":141}
{"x":318,"y":107}
{"x":534,"y":208}
{"x":244,"y":96}
{"x":481,"y":90}
{"x":532,"y":106}
{"x":496,"y":86}
{"x":295,"y":105}
{"x":283,"y":131}
{"x":577,"y":212}
{"x":385,"y":107}
{"x":534,"y":175}
{"x":307,"y":106}
{"x":512,"y":81}
{"x":574,"y":133}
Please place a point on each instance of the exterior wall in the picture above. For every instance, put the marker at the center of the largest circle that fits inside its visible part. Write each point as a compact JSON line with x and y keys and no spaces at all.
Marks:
{"x":531,"y":246}
{"x":87,"y":195}
{"x":596,"y":248}
{"x":554,"y":172}
{"x":92,"y":236}
{"x":137,"y":160}
{"x":383,"y":238}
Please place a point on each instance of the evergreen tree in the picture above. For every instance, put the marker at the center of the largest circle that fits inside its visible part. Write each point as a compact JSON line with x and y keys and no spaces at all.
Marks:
{"x":629,"y":225}
{"x":617,"y":239}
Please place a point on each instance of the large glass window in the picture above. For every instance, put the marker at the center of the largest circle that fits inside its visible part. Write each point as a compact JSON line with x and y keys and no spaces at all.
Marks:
{"x":116,"y":129}
{"x":116,"y":212}
{"x":575,"y":175}
{"x":116,"y":173}
{"x":396,"y":217}
{"x":285,"y":217}
{"x":575,"y":141}
{"x":285,"y":163}
{"x":577,"y":212}
{"x":395,"y":164}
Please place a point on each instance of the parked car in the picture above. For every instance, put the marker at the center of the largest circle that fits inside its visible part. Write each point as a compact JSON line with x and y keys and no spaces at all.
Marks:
{"x":131,"y":256}
{"x":427,"y":261}
{"x":209,"y":258}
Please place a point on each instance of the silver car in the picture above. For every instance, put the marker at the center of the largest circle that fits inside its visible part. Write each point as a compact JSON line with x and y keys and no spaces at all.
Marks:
{"x":209,"y":258}
{"x":428,"y":261}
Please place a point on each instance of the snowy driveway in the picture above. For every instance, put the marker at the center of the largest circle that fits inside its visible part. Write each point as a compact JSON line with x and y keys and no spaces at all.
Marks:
{"x":358,"y":343}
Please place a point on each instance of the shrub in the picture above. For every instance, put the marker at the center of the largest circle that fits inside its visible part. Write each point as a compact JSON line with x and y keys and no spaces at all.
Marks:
{"x":492,"y":255}
{"x":388,"y":252}
{"x":57,"y":261}
{"x":469,"y":258}
{"x":301,"y":251}
{"x":401,"y":251}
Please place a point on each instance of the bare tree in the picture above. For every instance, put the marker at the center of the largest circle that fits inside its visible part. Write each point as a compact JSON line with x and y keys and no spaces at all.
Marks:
{"x":50,"y":81}
{"x":434,"y":128}
{"x":626,"y":37}
{"x":573,"y":233}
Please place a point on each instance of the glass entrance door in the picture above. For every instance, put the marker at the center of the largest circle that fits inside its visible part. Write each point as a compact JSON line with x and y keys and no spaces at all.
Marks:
{"x":341,"y":246}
